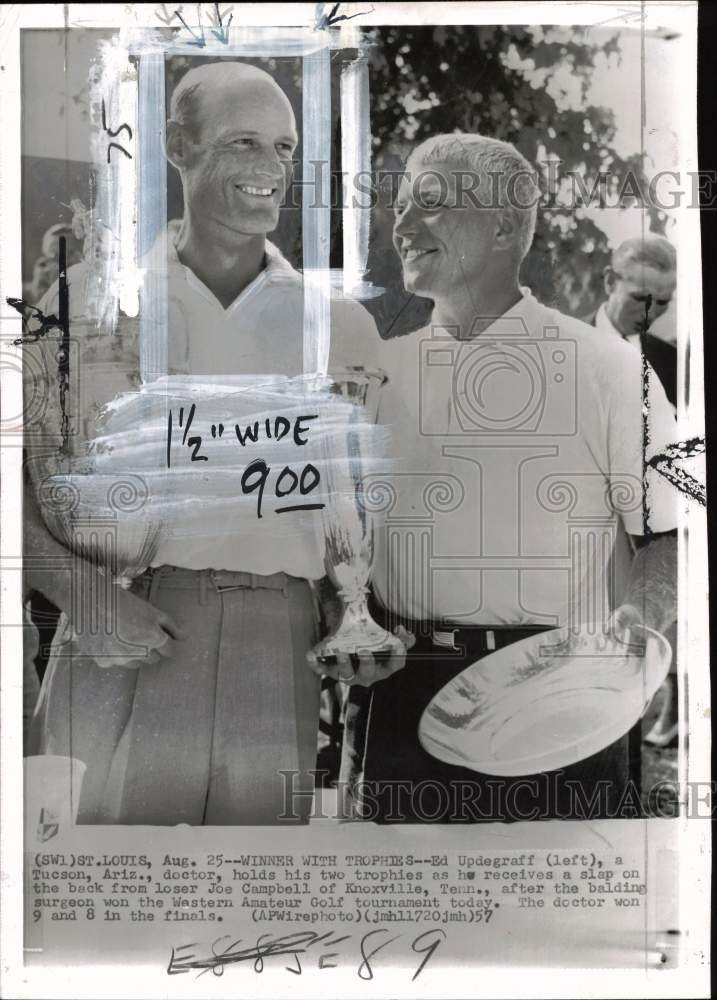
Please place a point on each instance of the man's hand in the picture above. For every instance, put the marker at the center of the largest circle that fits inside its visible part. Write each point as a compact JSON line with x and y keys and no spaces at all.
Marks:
{"x":652,"y":587}
{"x":131,"y":632}
{"x":370,"y":667}
{"x":622,"y":620}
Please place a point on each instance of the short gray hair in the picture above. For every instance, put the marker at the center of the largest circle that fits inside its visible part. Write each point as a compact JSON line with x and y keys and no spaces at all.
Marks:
{"x":650,"y":251}
{"x":517,"y":185}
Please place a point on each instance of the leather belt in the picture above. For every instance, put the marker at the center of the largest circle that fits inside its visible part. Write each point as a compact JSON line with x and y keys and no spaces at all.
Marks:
{"x":448,"y":638}
{"x":481,"y":639}
{"x":219,"y":581}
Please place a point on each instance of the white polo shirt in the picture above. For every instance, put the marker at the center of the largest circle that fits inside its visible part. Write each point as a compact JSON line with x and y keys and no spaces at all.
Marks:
{"x":514,"y":456}
{"x":261,"y":332}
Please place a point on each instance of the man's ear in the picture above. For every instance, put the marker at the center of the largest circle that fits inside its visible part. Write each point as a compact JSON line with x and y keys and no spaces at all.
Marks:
{"x":609,"y":280}
{"x":505,"y":229}
{"x":176,"y":144}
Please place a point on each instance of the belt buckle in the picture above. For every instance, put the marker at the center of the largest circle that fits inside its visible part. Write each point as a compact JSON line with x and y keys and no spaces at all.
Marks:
{"x":220,"y":589}
{"x":488,"y":643}
{"x":249,"y":581}
{"x":444,"y":633}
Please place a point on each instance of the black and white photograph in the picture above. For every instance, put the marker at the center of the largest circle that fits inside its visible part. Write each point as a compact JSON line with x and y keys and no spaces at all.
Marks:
{"x":354,"y":506}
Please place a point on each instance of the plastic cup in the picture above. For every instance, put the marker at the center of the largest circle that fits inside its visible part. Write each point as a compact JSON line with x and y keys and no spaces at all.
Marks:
{"x":52,"y":787}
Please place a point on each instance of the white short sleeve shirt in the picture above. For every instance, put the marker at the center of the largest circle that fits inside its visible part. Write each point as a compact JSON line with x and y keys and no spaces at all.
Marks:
{"x":515,"y":456}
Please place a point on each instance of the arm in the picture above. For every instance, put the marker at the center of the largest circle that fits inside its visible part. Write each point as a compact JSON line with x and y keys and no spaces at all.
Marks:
{"x":134,"y":629}
{"x":40,"y":550}
{"x":131,"y":628}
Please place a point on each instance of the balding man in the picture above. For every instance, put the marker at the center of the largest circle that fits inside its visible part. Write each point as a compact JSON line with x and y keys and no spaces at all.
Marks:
{"x":518,"y":444}
{"x":199,"y":732}
{"x":640,"y":282}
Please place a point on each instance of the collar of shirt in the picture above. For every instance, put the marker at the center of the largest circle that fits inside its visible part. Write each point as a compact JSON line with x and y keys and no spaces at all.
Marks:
{"x":604,"y":324}
{"x":523,"y":321}
{"x":277,"y":270}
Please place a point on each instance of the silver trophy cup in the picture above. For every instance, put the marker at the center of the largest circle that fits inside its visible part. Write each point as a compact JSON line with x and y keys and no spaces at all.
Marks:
{"x":346,"y":525}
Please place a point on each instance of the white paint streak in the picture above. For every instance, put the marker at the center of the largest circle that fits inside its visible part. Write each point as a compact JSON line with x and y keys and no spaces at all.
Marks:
{"x":315,"y":209}
{"x":355,"y":161}
{"x":128,"y":278}
{"x":244,"y":42}
{"x":152,"y":215}
{"x":102,"y":249}
{"x":112,"y":244}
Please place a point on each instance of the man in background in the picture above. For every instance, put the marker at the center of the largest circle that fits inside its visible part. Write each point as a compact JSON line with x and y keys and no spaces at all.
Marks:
{"x":640,"y":282}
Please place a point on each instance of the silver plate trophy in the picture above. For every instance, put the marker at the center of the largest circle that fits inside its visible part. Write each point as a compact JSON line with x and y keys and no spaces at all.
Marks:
{"x":546,"y":702}
{"x":346,"y":525}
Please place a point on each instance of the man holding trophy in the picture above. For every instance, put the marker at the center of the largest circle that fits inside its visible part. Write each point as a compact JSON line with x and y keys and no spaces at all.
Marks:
{"x":193,"y":693}
{"x":519,"y":444}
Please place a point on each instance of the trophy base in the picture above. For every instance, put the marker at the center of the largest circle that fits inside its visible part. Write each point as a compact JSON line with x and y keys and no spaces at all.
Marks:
{"x":356,"y":639}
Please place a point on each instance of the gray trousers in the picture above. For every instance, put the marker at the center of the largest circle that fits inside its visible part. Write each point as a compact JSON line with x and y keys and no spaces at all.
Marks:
{"x":203,"y":737}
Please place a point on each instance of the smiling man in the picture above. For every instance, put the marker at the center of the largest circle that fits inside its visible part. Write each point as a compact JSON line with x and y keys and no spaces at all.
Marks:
{"x":198,"y":730}
{"x":518,"y":441}
{"x":232,"y":137}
